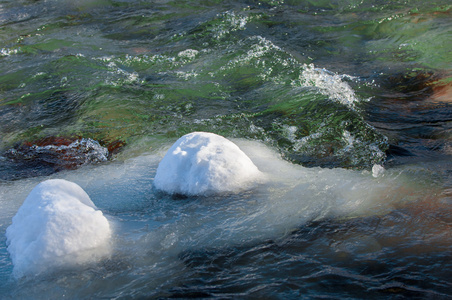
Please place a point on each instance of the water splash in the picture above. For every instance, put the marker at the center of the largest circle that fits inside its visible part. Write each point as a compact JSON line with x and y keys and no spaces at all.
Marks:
{"x":329,"y":84}
{"x":228,"y":22}
{"x":8,"y":52}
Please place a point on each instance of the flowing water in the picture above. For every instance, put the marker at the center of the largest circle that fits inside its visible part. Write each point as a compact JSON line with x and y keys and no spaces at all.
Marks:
{"x":344,"y":105}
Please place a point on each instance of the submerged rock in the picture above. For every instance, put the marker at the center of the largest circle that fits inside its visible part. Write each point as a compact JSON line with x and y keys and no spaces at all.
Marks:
{"x":63,"y":153}
{"x":53,"y":154}
{"x":203,"y":163}
{"x":57,"y":226}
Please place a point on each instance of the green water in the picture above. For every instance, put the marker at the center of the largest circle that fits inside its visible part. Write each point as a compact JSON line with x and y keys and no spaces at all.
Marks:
{"x":124,"y":71}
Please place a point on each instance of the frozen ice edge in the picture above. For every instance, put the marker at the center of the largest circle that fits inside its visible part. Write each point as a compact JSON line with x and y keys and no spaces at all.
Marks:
{"x":291,"y":196}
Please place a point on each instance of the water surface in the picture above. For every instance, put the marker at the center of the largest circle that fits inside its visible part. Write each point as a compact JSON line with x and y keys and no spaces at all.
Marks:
{"x":316,"y":93}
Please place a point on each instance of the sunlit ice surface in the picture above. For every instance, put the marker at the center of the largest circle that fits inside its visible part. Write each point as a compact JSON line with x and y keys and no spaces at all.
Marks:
{"x":57,"y":226}
{"x":203,"y":163}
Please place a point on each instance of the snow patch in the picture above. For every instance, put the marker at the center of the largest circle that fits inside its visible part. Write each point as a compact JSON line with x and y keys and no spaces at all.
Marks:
{"x":57,"y":226}
{"x":202,"y":163}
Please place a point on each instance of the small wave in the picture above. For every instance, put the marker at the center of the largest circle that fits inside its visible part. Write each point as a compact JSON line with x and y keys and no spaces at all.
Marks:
{"x":329,"y":84}
{"x":8,"y":52}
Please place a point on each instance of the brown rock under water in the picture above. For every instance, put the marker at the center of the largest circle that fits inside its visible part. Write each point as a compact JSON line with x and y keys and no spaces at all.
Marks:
{"x":53,"y":154}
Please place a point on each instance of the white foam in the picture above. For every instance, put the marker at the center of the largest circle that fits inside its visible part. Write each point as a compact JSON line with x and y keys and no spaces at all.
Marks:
{"x":57,"y":226}
{"x":230,"y":22}
{"x":8,"y":52}
{"x":202,"y":163}
{"x":329,"y":84}
{"x":188,"y":54}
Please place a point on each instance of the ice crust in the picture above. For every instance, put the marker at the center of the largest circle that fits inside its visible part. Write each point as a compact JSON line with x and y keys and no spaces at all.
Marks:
{"x":57,"y":226}
{"x":202,"y":163}
{"x":153,"y":231}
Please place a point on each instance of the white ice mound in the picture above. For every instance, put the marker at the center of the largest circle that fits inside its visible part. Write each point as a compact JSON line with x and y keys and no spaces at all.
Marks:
{"x":377,"y":170}
{"x":201,"y":163}
{"x":57,"y":226}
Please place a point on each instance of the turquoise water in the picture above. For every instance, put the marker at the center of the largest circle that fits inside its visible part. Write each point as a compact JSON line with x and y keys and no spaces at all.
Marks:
{"x":317,"y":92}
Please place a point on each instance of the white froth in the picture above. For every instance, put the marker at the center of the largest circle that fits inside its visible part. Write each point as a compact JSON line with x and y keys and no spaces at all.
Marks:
{"x":188,"y":54}
{"x":57,"y":226}
{"x":329,"y":84}
{"x":205,"y":163}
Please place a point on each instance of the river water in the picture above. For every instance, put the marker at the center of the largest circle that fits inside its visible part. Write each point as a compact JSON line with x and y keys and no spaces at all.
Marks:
{"x":345,"y":105}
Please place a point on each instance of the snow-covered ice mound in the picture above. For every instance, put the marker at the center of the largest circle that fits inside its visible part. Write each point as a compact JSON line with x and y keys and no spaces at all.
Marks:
{"x":57,"y":226}
{"x":201,"y":163}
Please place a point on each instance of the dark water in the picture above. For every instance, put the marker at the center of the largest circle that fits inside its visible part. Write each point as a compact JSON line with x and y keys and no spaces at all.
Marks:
{"x":334,"y":87}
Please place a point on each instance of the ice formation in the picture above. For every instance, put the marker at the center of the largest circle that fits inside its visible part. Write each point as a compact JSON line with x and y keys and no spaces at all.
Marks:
{"x":57,"y":226}
{"x":377,"y":170}
{"x":201,"y":163}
